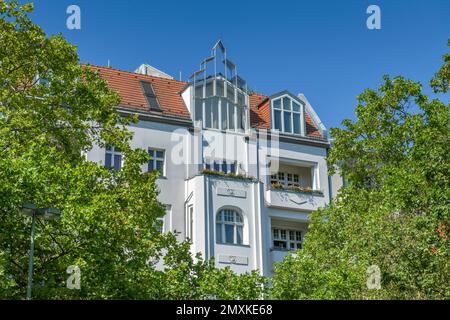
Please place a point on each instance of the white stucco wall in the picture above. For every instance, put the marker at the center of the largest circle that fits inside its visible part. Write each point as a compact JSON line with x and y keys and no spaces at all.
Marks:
{"x":183,"y":186}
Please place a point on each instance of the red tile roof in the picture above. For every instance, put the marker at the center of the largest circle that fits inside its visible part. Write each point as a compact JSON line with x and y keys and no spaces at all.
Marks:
{"x":260,"y":115}
{"x":259,"y":111}
{"x":168,"y":92}
{"x":128,"y":86}
{"x":311,"y":128}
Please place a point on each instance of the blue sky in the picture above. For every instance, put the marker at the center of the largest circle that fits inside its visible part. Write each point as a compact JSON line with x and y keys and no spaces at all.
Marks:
{"x":320,"y":48}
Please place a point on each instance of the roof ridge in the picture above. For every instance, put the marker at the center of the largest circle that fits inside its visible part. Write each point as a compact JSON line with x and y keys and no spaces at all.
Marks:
{"x":133,"y":73}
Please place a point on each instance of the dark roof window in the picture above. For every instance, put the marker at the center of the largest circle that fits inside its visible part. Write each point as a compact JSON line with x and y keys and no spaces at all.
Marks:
{"x":150,"y":96}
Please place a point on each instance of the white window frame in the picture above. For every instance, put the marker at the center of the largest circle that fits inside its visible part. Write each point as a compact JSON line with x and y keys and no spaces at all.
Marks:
{"x":276,"y":178}
{"x":298,"y":244}
{"x":231,"y":118}
{"x":210,"y":165}
{"x":162,"y":224}
{"x":155,"y":159}
{"x":291,"y":111}
{"x":113,"y":152}
{"x":221,"y":223}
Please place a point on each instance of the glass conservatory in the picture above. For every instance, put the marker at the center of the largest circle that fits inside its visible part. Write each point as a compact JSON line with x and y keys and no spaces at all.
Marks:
{"x":220,"y":99}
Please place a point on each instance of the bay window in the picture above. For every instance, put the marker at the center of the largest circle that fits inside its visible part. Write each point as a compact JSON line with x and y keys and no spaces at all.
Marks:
{"x":218,"y":104}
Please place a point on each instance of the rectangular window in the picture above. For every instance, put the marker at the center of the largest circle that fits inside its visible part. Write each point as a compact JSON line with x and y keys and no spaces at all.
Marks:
{"x":287,"y":121}
{"x":241,"y":99}
{"x":286,"y":239}
{"x":240,"y":118}
{"x":276,"y":233}
{"x":289,"y":179}
{"x":224,"y":167}
{"x":160,"y":224}
{"x":239,"y":234}
{"x":219,"y":88}
{"x":209,"y":89}
{"x":224,"y":113}
{"x":113,"y":158}
{"x":156,"y":161}
{"x":277,"y":119}
{"x":199,"y":91}
{"x":233,"y":167}
{"x":231,"y":116}
{"x":279,"y":244}
{"x":229,"y":233}
{"x":198,"y":110}
{"x":273,"y":179}
{"x":230,"y":93}
{"x":296,"y":122}
{"x":215,"y":113}
{"x":207,"y":120}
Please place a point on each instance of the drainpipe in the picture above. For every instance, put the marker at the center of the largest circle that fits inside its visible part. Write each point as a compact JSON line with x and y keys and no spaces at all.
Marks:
{"x":206,"y":201}
{"x":330,"y":196}
{"x":260,"y":210}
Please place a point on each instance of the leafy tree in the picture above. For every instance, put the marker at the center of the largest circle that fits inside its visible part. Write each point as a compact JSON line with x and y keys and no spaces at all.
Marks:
{"x":52,"y":110}
{"x":394,"y":213}
{"x":440,"y":83}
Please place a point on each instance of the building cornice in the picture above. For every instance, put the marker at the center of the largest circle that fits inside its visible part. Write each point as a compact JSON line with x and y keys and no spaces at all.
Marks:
{"x":156,"y":117}
{"x":289,"y":138}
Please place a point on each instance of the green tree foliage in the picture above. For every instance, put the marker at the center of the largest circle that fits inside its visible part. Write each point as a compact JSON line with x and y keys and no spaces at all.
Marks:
{"x":394,"y":213}
{"x":52,"y":110}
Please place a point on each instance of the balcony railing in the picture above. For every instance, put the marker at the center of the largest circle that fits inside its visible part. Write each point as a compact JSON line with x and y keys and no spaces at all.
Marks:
{"x":295,"y":198}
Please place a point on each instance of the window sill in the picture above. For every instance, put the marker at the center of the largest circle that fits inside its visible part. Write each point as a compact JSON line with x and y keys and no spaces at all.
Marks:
{"x":220,"y":174}
{"x":283,"y":250}
{"x":162,"y":177}
{"x":292,"y":190}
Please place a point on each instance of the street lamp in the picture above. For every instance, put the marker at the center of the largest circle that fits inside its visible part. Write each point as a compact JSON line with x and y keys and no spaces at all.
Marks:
{"x":31,"y":210}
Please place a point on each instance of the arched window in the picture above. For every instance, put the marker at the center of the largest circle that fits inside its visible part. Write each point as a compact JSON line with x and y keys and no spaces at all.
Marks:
{"x":286,"y":115}
{"x":229,"y":227}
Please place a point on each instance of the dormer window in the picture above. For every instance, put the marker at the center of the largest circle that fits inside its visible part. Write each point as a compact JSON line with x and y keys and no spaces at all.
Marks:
{"x":287,"y":115}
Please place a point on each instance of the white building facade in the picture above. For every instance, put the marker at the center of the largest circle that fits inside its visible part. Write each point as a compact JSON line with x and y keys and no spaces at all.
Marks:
{"x":240,"y":172}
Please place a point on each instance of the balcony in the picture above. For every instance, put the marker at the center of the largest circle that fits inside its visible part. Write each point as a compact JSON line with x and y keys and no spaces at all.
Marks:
{"x":295,"y":199}
{"x":294,"y":184}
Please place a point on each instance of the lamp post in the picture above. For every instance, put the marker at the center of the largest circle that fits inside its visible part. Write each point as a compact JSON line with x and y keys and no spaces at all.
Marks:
{"x":31,"y":210}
